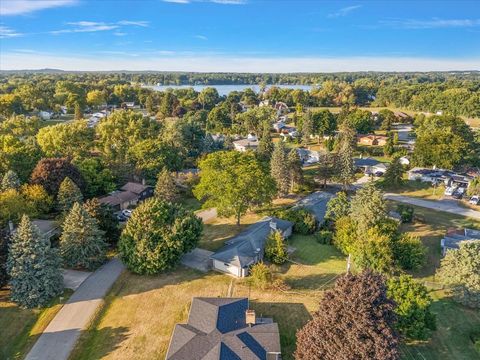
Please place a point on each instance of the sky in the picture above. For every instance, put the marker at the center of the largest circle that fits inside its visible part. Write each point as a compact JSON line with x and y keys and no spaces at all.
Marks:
{"x":240,"y":35}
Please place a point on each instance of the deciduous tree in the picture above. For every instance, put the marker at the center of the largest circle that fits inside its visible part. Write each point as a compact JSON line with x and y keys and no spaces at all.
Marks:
{"x":279,"y":168}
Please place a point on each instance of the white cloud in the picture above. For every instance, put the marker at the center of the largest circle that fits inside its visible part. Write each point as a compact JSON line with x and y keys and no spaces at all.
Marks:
{"x":201,"y":37}
{"x":229,"y":2}
{"x":344,"y":11}
{"x":17,"y":61}
{"x":18,"y":7}
{"x":222,"y":2}
{"x":177,"y":1}
{"x":93,"y":26}
{"x":6,"y":32}
{"x":432,"y":23}
{"x":134,"y":23}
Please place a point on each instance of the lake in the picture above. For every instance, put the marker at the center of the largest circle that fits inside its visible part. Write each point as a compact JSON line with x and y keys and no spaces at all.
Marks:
{"x":226,"y":89}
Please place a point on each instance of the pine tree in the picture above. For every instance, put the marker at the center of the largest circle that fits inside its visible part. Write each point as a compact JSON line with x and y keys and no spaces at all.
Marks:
{"x":355,"y":320}
{"x":275,"y":248}
{"x":68,"y":194}
{"x":82,"y":243}
{"x":265,"y":145}
{"x":368,"y":207}
{"x":394,"y":173}
{"x":327,"y":168}
{"x":33,"y":266}
{"x":388,"y":148}
{"x":166,"y":189}
{"x":345,"y":161}
{"x":307,"y":128}
{"x":78,"y":112}
{"x":10,"y":181}
{"x":105,"y":216}
{"x":279,"y":169}
{"x":295,"y":169}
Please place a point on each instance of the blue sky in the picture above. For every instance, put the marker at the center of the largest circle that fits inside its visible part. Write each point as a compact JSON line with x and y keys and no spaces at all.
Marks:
{"x":239,"y":35}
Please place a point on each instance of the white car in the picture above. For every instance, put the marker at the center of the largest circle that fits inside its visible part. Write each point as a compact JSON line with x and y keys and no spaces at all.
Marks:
{"x":450,"y":190}
{"x":127,"y":213}
{"x":474,"y":200}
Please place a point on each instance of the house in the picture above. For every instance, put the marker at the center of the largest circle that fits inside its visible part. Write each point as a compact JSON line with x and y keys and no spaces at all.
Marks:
{"x":453,"y":238}
{"x":427,"y":175}
{"x":401,"y":116}
{"x":281,"y":108}
{"x":279,"y":125}
{"x":247,"y":248}
{"x":372,"y":140}
{"x":370,"y":166}
{"x":316,"y":203}
{"x":289,"y":132}
{"x":49,"y":229}
{"x":250,"y":143}
{"x":308,"y":156}
{"x":129,"y":195}
{"x":224,"y":329}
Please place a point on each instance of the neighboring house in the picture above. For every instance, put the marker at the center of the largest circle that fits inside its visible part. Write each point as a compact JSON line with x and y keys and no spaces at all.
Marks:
{"x":316,"y":203}
{"x":278,"y":126}
{"x":454,"y":237}
{"x":224,"y":329}
{"x":48,"y":228}
{"x":250,"y":143}
{"x":289,"y":132}
{"x":372,"y":140}
{"x":308,"y":156}
{"x":448,"y":177}
{"x":401,"y":116}
{"x":248,"y":247}
{"x":281,"y":108}
{"x":370,"y":166}
{"x":129,"y":195}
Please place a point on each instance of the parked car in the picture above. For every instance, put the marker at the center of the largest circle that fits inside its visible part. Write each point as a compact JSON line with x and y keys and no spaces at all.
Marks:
{"x":474,"y":200}
{"x":127,"y":213}
{"x":450,"y":190}
{"x":457,"y":194}
{"x":121,"y":217}
{"x":378,"y":173}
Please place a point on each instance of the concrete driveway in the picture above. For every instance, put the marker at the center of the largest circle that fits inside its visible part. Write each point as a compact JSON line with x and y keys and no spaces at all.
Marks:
{"x":198,"y":259}
{"x":72,"y":279}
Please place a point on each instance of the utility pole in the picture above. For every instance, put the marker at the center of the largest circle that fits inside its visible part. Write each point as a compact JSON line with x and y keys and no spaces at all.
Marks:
{"x":348,"y":264}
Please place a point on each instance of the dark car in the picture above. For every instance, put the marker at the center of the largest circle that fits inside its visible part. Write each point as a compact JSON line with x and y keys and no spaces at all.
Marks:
{"x":457,"y":195}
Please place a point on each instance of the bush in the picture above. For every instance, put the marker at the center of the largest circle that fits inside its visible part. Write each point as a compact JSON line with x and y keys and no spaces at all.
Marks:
{"x":324,"y":237}
{"x":276,"y":249}
{"x":406,"y":213}
{"x":304,"y":221}
{"x":409,"y":252}
{"x":260,"y":276}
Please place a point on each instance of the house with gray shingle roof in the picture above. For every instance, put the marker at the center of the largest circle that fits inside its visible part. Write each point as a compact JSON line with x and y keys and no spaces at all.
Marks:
{"x":224,"y":329}
{"x":248,"y":247}
{"x":453,"y":238}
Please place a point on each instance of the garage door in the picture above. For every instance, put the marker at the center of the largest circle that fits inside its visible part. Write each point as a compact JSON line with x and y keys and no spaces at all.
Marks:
{"x":231,"y":269}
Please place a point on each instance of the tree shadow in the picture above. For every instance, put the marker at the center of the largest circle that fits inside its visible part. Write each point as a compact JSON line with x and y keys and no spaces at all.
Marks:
{"x":289,"y":316}
{"x":97,"y":343}
{"x":312,"y":282}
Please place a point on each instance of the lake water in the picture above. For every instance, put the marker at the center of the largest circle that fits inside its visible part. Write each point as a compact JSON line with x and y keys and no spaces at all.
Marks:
{"x":226,"y":89}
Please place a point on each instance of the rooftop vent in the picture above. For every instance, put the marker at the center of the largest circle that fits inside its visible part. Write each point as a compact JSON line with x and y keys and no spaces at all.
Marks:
{"x":250,"y":318}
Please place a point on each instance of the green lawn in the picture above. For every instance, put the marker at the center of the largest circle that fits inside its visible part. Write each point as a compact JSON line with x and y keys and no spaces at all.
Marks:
{"x":20,"y":328}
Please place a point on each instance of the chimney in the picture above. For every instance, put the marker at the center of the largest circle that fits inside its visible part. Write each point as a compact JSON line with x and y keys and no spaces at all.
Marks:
{"x":250,"y":318}
{"x":11,"y":227}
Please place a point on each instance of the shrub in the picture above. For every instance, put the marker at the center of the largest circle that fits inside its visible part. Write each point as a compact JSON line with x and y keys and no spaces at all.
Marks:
{"x":275,"y":248}
{"x":304,"y":221}
{"x":260,"y":276}
{"x":324,"y":237}
{"x":409,"y":252}
{"x":406,"y":212}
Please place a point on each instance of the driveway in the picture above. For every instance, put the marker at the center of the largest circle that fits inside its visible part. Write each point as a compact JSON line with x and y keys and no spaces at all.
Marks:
{"x":72,"y":279}
{"x":207,"y":214}
{"x":317,"y":203}
{"x":446,"y":205}
{"x":60,"y":336}
{"x":198,"y":259}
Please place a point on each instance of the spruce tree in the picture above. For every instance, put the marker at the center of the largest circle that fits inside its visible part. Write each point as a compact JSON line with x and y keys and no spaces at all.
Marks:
{"x":275,"y":248}
{"x":295,"y":169}
{"x":33,"y":266}
{"x":394,"y":173}
{"x":68,"y":194}
{"x":307,"y":128}
{"x":105,"y":216}
{"x":265,"y":145}
{"x":345,"y":161}
{"x":82,"y":243}
{"x":368,"y":207}
{"x":166,"y":189}
{"x":10,"y":181}
{"x":279,"y":169}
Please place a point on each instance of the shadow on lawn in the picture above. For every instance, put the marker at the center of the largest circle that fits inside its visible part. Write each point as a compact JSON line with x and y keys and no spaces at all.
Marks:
{"x":289,"y":316}
{"x":312,"y":281}
{"x":102,"y":342}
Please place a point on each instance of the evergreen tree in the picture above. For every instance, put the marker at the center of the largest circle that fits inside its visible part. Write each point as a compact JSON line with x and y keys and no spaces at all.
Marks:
{"x":355,"y":320}
{"x":265,"y":145}
{"x":149,"y":105}
{"x":295,"y":169}
{"x":208,"y":144}
{"x":82,"y":243}
{"x":327,"y":168}
{"x":107,"y":222}
{"x":4,"y":243}
{"x":345,"y":161}
{"x":166,"y":189}
{"x":33,"y":266}
{"x":394,"y":174}
{"x":368,"y":207}
{"x":338,"y":207}
{"x":78,"y":112}
{"x":279,"y":168}
{"x":68,"y":194}
{"x":307,"y":128}
{"x":388,"y":148}
{"x":275,"y":248}
{"x":10,"y":181}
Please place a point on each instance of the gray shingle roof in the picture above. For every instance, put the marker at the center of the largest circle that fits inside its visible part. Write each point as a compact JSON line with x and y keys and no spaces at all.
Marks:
{"x":242,"y":249}
{"x":216,"y":330}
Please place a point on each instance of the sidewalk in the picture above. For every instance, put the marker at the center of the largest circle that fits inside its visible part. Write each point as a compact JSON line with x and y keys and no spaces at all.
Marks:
{"x":61,"y":335}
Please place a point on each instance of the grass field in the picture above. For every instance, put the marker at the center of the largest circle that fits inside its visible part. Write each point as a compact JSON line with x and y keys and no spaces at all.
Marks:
{"x":19,"y":328}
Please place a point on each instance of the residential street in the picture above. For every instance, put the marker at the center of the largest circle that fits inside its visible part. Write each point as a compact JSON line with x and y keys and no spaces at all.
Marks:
{"x":440,"y":205}
{"x":60,"y":336}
